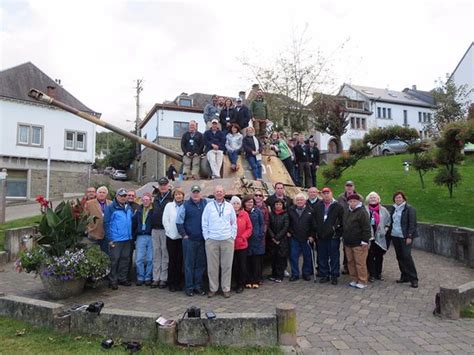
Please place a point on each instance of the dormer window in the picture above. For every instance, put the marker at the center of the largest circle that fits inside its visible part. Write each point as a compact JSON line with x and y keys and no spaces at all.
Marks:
{"x":185,"y":102}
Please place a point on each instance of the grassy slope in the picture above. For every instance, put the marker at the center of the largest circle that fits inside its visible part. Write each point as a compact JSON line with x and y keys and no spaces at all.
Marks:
{"x":30,"y":221}
{"x":44,"y":341}
{"x":385,"y":175}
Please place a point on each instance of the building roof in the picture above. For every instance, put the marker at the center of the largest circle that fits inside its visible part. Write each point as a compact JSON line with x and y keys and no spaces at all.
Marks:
{"x":17,"y":81}
{"x":425,"y":96}
{"x":386,"y":95}
{"x":169,"y":107}
{"x":464,"y":56}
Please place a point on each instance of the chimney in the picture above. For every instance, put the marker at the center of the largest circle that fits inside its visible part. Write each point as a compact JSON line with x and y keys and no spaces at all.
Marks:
{"x":242,"y":95}
{"x":413,"y":87}
{"x":51,"y":91}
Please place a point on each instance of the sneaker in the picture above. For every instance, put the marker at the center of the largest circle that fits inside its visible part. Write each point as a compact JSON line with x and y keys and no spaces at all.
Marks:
{"x":248,"y":286}
{"x":271,"y":278}
{"x":352,"y":284}
{"x":286,"y":274}
{"x":255,"y":286}
{"x":360,"y":286}
{"x":371,"y":279}
{"x":200,"y":291}
{"x":189,"y":293}
{"x":278,"y":280}
{"x":334,"y":280}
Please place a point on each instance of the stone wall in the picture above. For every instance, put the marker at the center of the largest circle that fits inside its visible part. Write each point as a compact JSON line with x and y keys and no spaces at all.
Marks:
{"x":449,"y":241}
{"x":157,"y":163}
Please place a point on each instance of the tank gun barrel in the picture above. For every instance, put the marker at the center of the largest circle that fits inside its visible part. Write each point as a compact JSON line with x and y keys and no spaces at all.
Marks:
{"x":42,"y":97}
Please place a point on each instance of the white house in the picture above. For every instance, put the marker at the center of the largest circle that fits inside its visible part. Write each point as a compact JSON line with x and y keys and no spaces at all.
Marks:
{"x":376,"y":108}
{"x":29,"y":130}
{"x":165,"y":124}
{"x":463,"y":74}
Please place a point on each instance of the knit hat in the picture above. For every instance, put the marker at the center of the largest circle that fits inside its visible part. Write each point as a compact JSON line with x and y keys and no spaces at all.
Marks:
{"x":353,"y":197}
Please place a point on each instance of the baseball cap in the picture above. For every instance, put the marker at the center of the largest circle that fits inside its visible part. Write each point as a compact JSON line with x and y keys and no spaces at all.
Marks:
{"x":349,"y":182}
{"x":195,"y":188}
{"x":163,"y":181}
{"x":215,"y":120}
{"x":122,"y":192}
{"x":326,"y":189}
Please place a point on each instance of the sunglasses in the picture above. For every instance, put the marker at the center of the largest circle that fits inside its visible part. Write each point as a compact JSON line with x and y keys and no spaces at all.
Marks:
{"x":258,"y":195}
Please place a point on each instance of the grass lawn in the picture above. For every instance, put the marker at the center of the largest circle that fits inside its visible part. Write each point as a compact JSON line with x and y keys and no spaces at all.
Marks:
{"x":468,"y":312}
{"x":21,"y":338}
{"x":385,"y":175}
{"x":23,"y":222}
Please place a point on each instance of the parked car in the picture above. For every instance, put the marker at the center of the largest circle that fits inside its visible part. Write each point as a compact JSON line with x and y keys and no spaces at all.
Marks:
{"x":393,"y":146}
{"x":120,"y":175}
{"x":109,"y":171}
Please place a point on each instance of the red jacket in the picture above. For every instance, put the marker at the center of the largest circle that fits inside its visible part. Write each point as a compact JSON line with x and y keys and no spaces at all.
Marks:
{"x":244,"y":230}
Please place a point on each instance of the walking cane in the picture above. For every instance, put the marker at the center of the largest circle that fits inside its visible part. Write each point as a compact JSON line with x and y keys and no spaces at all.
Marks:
{"x":312,"y":247}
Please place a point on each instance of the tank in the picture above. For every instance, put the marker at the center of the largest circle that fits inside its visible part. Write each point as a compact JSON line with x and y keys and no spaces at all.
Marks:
{"x":240,"y":182}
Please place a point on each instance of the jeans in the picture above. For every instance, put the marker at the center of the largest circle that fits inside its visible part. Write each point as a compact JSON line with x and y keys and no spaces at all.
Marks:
{"x":256,"y":166}
{"x":119,"y":258}
{"x":297,"y":248}
{"x":328,"y":257}
{"x":194,"y":253}
{"x":144,"y":257}
{"x":233,"y":156}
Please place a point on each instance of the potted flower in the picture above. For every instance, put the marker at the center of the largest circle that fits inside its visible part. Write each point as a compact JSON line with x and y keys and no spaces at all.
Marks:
{"x":59,"y":256}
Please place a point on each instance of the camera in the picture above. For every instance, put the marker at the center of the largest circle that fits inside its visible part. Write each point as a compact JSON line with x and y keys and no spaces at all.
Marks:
{"x":132,"y":346}
{"x":194,"y":312}
{"x":107,"y":343}
{"x":95,"y":307}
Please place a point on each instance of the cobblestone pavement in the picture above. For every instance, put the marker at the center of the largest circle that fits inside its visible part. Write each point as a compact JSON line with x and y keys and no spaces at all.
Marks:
{"x":384,"y":318}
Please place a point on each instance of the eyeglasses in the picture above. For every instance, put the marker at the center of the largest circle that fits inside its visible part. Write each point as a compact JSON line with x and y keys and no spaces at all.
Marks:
{"x":258,"y":195}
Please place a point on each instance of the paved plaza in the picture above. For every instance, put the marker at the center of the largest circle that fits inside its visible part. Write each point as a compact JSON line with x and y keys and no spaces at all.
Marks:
{"x":384,"y":318}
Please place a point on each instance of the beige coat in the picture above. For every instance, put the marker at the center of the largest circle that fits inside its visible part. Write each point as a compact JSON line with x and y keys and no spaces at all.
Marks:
{"x":96,"y":229}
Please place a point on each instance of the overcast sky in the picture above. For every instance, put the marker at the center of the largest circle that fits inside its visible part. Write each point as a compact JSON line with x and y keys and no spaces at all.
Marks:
{"x":99,"y":48}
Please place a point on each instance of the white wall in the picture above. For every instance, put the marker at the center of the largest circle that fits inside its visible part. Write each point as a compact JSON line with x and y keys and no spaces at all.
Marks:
{"x":166,"y":119}
{"x":54,"y":121}
{"x":464,"y":74}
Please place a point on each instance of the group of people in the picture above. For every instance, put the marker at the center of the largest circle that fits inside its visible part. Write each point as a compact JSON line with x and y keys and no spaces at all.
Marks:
{"x":177,"y":240}
{"x":233,"y":129}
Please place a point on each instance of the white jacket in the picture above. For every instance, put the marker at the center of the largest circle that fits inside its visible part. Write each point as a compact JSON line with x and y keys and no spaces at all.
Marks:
{"x":169,"y":220}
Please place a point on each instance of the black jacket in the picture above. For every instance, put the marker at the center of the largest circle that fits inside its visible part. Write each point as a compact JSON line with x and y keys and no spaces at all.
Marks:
{"x":159,"y":203}
{"x":226,"y":112}
{"x":137,"y":226}
{"x":331,"y":228}
{"x":248,"y":145}
{"x":314,"y":155}
{"x":241,"y":117}
{"x":277,"y":229}
{"x":271,"y":201}
{"x":301,"y":227}
{"x":408,"y":221}
{"x":312,"y":205}
{"x":302,"y":154}
{"x":193,"y":145}
{"x":356,"y":227}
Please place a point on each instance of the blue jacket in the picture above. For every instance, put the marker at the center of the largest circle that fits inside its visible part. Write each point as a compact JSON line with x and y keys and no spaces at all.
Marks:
{"x":211,"y":137}
{"x":137,"y":222}
{"x":189,"y":219}
{"x":257,"y":239}
{"x":118,"y":222}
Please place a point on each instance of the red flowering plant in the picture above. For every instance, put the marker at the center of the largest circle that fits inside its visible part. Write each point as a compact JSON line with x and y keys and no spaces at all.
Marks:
{"x":60,"y":236}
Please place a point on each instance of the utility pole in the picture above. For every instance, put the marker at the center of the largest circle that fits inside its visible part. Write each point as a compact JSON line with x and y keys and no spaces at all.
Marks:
{"x":3,"y":194}
{"x":139,"y":89}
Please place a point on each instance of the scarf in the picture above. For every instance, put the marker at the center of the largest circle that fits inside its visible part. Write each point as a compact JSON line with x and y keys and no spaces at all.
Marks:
{"x":375,"y":212}
{"x":279,"y":212}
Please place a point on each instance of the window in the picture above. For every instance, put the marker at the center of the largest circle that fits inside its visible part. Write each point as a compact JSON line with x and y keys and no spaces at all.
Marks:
{"x":179,"y":128}
{"x":384,"y":112}
{"x":424,"y":117}
{"x":419,"y":116}
{"x":75,"y":140}
{"x":378,"y":112}
{"x":355,"y":104}
{"x":363,"y":123}
{"x":389,"y":113}
{"x":405,"y":115}
{"x":185,"y":102}
{"x":30,"y":135}
{"x":17,"y":183}
{"x":429,"y":117}
{"x":353,"y":123}
{"x":405,"y":121}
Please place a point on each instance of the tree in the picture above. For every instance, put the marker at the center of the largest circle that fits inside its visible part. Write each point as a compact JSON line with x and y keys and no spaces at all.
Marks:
{"x":329,"y":115}
{"x":424,"y":160}
{"x":293,"y":77}
{"x":121,"y":154}
{"x":451,"y":103}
